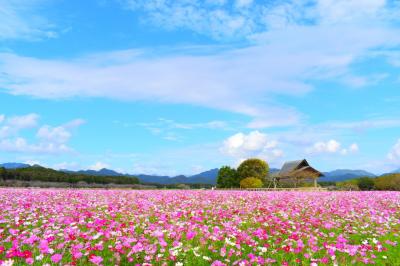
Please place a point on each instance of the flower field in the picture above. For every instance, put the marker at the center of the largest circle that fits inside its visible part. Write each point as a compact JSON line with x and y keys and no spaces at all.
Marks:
{"x":126,"y":227}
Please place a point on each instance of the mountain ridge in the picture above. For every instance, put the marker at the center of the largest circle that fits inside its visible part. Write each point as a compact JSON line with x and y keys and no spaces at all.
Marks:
{"x":206,"y":177}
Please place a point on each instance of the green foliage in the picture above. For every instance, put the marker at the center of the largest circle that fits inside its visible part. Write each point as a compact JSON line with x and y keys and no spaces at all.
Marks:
{"x":351,"y":184}
{"x":38,"y":173}
{"x":388,"y":182}
{"x":227,"y":178}
{"x":253,"y":168}
{"x":251,"y":182}
{"x":327,"y":184}
{"x":385,"y":182}
{"x":366,"y":183}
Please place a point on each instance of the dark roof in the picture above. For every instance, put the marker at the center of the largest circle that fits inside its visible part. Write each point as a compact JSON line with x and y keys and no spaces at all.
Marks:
{"x":292,"y":167}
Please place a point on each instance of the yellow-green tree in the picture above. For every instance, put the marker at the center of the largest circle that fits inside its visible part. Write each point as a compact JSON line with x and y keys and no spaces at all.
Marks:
{"x":253,"y":168}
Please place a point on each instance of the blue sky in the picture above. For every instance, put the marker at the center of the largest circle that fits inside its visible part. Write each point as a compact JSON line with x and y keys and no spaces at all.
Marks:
{"x":178,"y":87}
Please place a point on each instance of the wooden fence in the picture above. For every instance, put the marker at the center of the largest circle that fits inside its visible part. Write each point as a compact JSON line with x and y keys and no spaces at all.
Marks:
{"x":277,"y":189}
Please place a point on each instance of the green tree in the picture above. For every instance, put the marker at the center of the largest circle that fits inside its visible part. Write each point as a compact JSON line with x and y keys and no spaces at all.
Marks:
{"x":366,"y":183}
{"x":253,"y":168}
{"x":227,"y":178}
{"x":251,"y":182}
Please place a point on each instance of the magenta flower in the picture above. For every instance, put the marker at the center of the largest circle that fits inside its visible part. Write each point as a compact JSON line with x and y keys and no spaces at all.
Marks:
{"x":190,"y":235}
{"x":56,"y":258}
{"x":96,"y":260}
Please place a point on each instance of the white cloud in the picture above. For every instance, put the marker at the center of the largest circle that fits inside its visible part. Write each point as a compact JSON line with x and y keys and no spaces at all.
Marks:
{"x":52,"y":140}
{"x":23,"y":121}
{"x":12,"y":125}
{"x":243,"y":3}
{"x":360,"y":126}
{"x":170,"y":129}
{"x":98,"y":166}
{"x":394,"y":154}
{"x":74,"y":123}
{"x":60,"y":134}
{"x":20,"y":145}
{"x":254,"y":144}
{"x":241,"y":80}
{"x":53,"y":134}
{"x":212,"y":18}
{"x":20,"y":20}
{"x":335,"y":11}
{"x":219,"y":20}
{"x":331,"y":147}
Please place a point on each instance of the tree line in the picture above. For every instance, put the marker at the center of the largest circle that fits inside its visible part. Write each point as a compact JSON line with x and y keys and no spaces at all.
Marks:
{"x":384,"y":182}
{"x":42,"y":174}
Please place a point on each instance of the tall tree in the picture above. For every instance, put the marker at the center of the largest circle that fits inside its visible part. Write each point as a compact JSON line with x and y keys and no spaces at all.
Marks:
{"x":227,"y":178}
{"x":253,"y":168}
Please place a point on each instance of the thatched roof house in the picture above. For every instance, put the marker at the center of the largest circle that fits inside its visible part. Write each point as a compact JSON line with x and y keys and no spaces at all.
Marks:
{"x":296,"y":171}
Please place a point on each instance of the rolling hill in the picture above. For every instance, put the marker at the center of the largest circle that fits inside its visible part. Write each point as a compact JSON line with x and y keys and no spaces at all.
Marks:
{"x":344,"y":174}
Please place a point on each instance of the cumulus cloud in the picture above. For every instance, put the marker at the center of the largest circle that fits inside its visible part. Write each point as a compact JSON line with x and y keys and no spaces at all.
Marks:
{"x":394,"y":154}
{"x":60,"y":134}
{"x":331,"y":147}
{"x":53,"y":134}
{"x":51,"y":140}
{"x":254,"y":144}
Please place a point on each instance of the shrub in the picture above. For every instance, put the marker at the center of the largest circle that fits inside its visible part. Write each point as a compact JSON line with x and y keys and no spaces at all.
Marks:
{"x":251,"y":182}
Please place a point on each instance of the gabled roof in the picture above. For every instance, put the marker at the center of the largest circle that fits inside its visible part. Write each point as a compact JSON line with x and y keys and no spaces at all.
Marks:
{"x":293,"y":165}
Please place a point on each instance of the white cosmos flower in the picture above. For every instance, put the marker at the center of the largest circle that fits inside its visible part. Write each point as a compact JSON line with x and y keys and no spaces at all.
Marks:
{"x":7,"y":263}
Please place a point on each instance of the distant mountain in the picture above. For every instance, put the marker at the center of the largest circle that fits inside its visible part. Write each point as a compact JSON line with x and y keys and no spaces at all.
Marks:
{"x":101,"y":172}
{"x":344,"y":174}
{"x":196,"y":179}
{"x":155,"y":179}
{"x":273,"y":170}
{"x":14,"y":165}
{"x":207,"y":177}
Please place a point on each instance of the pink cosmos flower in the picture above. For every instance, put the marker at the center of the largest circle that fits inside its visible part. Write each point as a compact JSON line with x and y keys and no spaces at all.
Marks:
{"x":96,"y":260}
{"x":190,"y":235}
{"x":218,"y":263}
{"x":56,"y":258}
